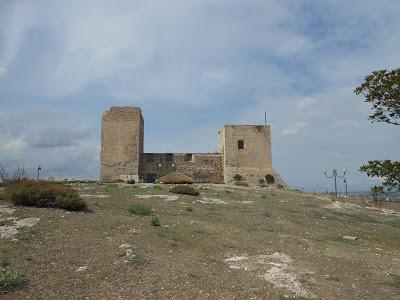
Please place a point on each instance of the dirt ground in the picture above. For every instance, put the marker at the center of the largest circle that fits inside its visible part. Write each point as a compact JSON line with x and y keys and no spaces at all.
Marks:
{"x":227,"y":243}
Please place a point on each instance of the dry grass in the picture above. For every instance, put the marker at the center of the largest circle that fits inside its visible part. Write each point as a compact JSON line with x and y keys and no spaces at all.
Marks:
{"x":186,"y":256}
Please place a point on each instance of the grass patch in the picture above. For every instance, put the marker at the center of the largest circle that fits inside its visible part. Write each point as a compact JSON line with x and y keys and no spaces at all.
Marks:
{"x":171,"y":234}
{"x":267,"y":214}
{"x":394,"y":282}
{"x":44,"y":194}
{"x":139,"y":209}
{"x":359,"y":218}
{"x":394,"y":222}
{"x":185,"y":189}
{"x":11,"y":279}
{"x":155,"y":221}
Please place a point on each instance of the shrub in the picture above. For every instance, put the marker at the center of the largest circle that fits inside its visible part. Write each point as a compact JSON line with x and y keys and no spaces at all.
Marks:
{"x":155,"y":221}
{"x":189,"y":209}
{"x":270,"y":179}
{"x":131,"y":181}
{"x":261,"y":182}
{"x":44,"y":194}
{"x":280,"y":186}
{"x":184,"y":189}
{"x":238,"y":177}
{"x":175,"y":178}
{"x":140,"y":209}
{"x":10,"y":279}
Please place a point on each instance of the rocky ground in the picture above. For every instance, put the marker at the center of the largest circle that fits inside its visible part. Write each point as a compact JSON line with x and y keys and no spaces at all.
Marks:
{"x":227,"y":243}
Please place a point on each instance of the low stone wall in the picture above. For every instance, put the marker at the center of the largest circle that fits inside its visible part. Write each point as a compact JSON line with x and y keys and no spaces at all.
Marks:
{"x":202,"y":167}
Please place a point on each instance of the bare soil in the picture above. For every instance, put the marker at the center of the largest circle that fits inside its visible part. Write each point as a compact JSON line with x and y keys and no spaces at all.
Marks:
{"x":227,"y":243}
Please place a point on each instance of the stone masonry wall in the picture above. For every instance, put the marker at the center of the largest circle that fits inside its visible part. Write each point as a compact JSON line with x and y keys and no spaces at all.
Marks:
{"x":204,"y":167}
{"x":121,"y":143}
{"x":255,"y":160}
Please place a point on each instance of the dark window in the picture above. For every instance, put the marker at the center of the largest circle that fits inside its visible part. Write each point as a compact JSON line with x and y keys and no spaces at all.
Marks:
{"x":189,"y":157}
{"x":150,"y":157}
{"x":240,"y":144}
{"x":169,"y":157}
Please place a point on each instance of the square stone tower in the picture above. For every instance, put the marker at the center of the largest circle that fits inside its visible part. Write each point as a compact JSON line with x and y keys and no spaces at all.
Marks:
{"x":246,"y":150}
{"x":121,"y":143}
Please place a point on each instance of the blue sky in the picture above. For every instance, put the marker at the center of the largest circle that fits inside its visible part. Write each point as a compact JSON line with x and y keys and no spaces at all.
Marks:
{"x":193,"y":66}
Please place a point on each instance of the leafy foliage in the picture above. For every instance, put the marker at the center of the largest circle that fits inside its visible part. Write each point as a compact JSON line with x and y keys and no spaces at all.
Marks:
{"x":10,"y":279}
{"x":44,"y":194}
{"x":238,"y":177}
{"x":382,"y":90}
{"x":387,"y":169}
{"x":185,"y":189}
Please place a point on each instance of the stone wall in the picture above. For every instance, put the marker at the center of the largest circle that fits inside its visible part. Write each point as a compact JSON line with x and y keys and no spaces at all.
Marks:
{"x":203,"y":167}
{"x":121,"y":143}
{"x":252,"y":162}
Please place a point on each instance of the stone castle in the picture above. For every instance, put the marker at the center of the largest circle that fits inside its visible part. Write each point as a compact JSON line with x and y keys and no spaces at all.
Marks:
{"x":243,"y":150}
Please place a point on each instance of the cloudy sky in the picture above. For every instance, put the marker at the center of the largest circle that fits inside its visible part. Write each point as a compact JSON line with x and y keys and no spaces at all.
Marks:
{"x":192,"y":66}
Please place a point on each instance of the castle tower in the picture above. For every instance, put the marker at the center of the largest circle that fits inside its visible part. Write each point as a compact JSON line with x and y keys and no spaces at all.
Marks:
{"x":246,"y":150}
{"x":121,"y":143}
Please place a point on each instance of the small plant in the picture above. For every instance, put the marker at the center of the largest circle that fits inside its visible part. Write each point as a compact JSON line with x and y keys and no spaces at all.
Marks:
{"x":238,"y":177}
{"x":280,"y":186}
{"x":261,"y":182}
{"x":269,"y":179}
{"x":185,"y":189}
{"x":139,"y":209}
{"x":155,"y":221}
{"x":10,"y":279}
{"x":241,"y":183}
{"x":131,"y":181}
{"x":189,"y":209}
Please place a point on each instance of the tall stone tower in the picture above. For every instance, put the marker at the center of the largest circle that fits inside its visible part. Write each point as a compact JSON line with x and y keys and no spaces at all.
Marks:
{"x":121,"y":143}
{"x":246,"y":150}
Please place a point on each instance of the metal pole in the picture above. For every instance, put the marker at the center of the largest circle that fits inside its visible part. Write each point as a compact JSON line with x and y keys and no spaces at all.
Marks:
{"x":265,"y":118}
{"x":345,"y":185}
{"x":38,"y":170}
{"x":335,"y":186}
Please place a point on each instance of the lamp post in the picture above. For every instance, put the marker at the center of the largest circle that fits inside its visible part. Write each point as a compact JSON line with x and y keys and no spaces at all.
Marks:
{"x":345,"y":184}
{"x":39,"y":168}
{"x":334,"y":175}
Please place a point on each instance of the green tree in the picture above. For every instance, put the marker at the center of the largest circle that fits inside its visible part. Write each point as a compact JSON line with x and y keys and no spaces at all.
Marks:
{"x":382,"y":90}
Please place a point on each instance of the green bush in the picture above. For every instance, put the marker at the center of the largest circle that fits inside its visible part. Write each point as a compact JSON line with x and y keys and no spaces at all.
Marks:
{"x":261,"y":182}
{"x":155,"y":221}
{"x":140,"y":209}
{"x":189,"y":209}
{"x":241,"y":183}
{"x":131,"y":181}
{"x":270,"y":179}
{"x":175,"y":178}
{"x":184,"y":189}
{"x":44,"y":194}
{"x":10,"y":279}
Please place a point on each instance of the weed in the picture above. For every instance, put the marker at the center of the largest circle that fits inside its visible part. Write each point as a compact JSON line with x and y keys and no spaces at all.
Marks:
{"x":157,"y":187}
{"x":189,"y":209}
{"x":139,"y":261}
{"x":267,"y":215}
{"x":11,"y":279}
{"x":155,"y":221}
{"x":139,"y":209}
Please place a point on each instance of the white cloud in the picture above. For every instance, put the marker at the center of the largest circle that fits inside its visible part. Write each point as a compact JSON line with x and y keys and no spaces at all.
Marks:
{"x":309,"y":101}
{"x":14,"y":147}
{"x":295,"y":128}
{"x":3,"y":71}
